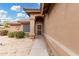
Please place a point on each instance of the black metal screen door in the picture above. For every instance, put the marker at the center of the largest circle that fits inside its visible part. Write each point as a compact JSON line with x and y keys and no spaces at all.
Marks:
{"x":39,"y":29}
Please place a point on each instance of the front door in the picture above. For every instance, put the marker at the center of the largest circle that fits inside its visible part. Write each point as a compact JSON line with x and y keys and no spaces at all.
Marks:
{"x":39,"y":29}
{"x":39,"y":32}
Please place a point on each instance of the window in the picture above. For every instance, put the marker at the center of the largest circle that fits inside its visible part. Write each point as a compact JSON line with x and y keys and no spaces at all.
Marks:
{"x":26,"y":28}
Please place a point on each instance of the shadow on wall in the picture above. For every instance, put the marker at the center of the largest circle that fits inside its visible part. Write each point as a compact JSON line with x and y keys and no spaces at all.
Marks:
{"x":47,"y":9}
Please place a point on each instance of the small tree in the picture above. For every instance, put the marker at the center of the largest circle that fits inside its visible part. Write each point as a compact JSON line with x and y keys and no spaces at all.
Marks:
{"x":5,"y":24}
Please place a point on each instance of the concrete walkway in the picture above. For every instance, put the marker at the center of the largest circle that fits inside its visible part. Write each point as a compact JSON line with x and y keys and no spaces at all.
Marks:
{"x":39,"y":48}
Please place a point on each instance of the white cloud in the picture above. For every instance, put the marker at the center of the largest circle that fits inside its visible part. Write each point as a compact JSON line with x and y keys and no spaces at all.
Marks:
{"x":23,"y":11}
{"x":21,"y":15}
{"x":3,"y":16}
{"x":15,"y":8}
{"x":3,"y":12}
{"x":5,"y":19}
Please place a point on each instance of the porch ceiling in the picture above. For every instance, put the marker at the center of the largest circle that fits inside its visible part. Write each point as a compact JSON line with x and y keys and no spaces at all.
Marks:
{"x":31,"y":11}
{"x":44,"y":7}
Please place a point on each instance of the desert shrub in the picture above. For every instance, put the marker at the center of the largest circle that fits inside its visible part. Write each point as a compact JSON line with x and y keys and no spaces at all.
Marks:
{"x":19,"y":34}
{"x":11,"y":34}
{"x":15,"y":32}
{"x":3,"y":32}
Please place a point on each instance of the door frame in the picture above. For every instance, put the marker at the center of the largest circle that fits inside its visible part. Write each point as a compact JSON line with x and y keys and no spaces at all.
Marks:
{"x":37,"y":28}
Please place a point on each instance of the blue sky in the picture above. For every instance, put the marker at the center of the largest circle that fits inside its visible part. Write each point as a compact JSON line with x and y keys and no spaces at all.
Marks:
{"x":14,"y":11}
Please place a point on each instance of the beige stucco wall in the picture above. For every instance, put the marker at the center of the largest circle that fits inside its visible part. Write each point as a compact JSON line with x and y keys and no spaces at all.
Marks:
{"x":62,"y":25}
{"x":32,"y":26}
{"x":16,"y":28}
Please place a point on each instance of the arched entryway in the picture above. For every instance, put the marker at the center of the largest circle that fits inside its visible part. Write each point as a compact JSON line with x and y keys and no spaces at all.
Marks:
{"x":39,"y":25}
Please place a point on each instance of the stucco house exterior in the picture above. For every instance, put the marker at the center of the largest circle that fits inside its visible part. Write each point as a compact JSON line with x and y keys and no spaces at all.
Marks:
{"x":20,"y":26}
{"x":61,"y":28}
{"x":59,"y":24}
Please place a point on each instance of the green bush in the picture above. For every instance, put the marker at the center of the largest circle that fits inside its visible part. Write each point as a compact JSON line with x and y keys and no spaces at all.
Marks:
{"x":19,"y":34}
{"x":15,"y":33}
{"x":11,"y":34}
{"x":3,"y":32}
